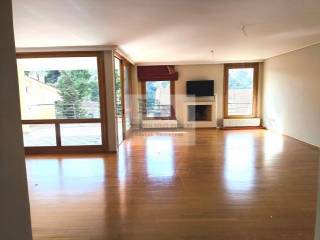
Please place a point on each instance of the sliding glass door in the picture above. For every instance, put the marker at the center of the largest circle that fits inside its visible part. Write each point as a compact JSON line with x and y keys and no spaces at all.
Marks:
{"x":127,"y":97}
{"x":123,"y":97}
{"x":120,"y":119}
{"x":62,"y":101}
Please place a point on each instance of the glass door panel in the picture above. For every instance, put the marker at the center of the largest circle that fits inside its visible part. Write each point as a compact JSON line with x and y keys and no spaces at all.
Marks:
{"x":39,"y":135}
{"x":119,"y":100}
{"x":80,"y":134}
{"x":127,"y":97}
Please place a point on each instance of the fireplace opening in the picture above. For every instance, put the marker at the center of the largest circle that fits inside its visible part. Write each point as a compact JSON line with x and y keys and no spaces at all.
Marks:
{"x":199,"y":113}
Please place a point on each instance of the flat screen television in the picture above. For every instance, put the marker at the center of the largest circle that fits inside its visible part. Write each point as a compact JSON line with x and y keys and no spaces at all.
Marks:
{"x":200,"y":88}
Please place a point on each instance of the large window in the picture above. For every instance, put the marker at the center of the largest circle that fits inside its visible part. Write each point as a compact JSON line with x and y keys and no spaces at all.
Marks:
{"x":59,"y":88}
{"x":158,"y":99}
{"x":60,"y":99}
{"x":240,"y":90}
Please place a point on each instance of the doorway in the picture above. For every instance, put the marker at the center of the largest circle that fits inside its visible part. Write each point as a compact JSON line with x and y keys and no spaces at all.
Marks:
{"x":123,"y":97}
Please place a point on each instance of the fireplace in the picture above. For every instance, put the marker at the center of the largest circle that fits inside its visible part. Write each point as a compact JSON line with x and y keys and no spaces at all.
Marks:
{"x":199,"y":112}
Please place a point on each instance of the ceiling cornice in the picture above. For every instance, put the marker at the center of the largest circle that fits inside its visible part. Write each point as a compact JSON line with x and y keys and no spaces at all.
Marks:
{"x":68,"y":48}
{"x":121,"y":52}
{"x":294,"y":50}
{"x":196,"y":62}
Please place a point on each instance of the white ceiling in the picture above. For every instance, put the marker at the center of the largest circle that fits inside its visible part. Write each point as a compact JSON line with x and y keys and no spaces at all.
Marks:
{"x":62,"y":63}
{"x":171,"y":31}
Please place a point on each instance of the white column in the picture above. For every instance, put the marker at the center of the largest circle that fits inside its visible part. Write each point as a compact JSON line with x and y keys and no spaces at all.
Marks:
{"x":14,"y":201}
{"x":110,"y":98}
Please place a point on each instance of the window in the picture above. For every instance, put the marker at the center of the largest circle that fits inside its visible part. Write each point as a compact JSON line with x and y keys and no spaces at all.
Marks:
{"x":59,"y":88}
{"x":60,"y":98}
{"x":158,"y":99}
{"x":240,"y":90}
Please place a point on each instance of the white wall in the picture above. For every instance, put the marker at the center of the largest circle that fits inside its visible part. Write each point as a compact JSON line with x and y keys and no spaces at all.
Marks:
{"x":14,"y":208}
{"x":186,"y":73}
{"x":292,"y":94}
{"x":199,"y":72}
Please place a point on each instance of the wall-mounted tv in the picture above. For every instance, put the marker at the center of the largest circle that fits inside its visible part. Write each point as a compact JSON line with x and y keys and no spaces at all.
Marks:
{"x":200,"y":88}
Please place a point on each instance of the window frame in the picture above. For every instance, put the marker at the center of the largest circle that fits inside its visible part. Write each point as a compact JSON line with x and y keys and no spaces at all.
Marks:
{"x":103,"y":108}
{"x":227,"y":67}
{"x":172,"y":101}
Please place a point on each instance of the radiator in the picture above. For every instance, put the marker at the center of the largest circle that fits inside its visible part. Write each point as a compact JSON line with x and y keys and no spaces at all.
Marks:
{"x":241,"y":122}
{"x":159,"y":124}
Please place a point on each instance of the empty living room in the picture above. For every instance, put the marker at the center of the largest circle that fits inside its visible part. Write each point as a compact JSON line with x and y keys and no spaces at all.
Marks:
{"x":160,"y":120}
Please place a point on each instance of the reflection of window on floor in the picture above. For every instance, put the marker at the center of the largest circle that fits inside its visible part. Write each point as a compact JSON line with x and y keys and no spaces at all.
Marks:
{"x":239,"y":175}
{"x":74,"y":168}
{"x":158,"y":99}
{"x":159,"y":157}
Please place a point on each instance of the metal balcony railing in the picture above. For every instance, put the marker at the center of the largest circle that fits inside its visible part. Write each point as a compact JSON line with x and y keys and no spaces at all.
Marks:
{"x":62,"y":111}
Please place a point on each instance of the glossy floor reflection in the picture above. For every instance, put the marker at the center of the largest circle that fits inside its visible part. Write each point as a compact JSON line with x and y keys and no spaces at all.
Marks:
{"x":223,"y":185}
